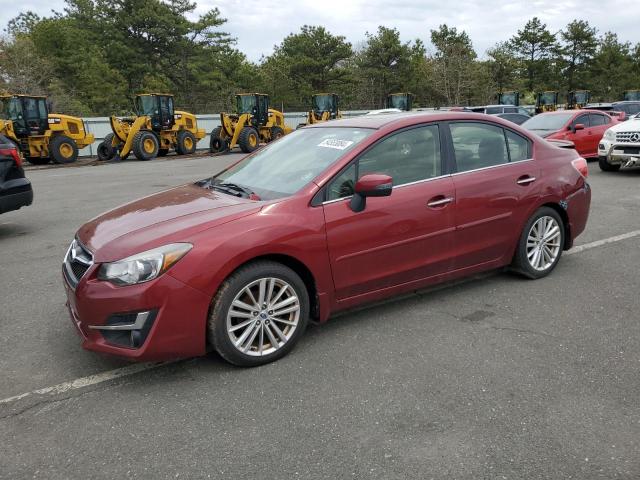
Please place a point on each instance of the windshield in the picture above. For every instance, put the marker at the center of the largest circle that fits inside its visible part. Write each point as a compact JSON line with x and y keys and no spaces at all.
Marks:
{"x":581,"y":97}
{"x":632,"y":95}
{"x":323,"y":103}
{"x":10,"y":108}
{"x":508,"y":99}
{"x":547,"y":98}
{"x":147,"y":105}
{"x":553,"y":121}
{"x":245,"y":103}
{"x":284,"y":167}
{"x":398,"y":101}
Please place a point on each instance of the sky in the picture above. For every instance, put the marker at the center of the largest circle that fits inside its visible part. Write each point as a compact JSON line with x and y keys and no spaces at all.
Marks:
{"x":259,"y":25}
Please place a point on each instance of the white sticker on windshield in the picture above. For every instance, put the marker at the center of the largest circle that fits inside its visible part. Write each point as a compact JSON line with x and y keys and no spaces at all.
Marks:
{"x":335,"y":143}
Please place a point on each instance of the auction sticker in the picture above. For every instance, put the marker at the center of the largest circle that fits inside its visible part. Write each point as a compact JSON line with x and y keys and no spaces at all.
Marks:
{"x":335,"y":143}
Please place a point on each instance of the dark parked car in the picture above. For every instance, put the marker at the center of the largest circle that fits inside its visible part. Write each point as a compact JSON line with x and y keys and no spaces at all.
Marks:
{"x":628,"y":107}
{"x":327,"y":218}
{"x":15,"y":189}
{"x":517,"y":118}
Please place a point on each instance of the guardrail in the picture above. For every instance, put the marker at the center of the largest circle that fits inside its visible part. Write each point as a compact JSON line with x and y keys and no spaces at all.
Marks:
{"x":100,"y":127}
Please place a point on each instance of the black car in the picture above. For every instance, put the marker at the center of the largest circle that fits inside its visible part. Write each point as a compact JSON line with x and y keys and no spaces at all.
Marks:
{"x":15,"y":189}
{"x":628,"y":107}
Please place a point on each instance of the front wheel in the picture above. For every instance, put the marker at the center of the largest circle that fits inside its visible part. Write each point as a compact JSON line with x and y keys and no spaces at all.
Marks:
{"x":540,"y":245}
{"x":63,"y":149}
{"x":259,"y":313}
{"x":605,"y":166}
{"x":248,"y":139}
{"x":145,"y":145}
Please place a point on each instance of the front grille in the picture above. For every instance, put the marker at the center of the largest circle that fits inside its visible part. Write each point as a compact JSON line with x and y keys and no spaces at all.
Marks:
{"x":76,"y":263}
{"x":628,"y":137}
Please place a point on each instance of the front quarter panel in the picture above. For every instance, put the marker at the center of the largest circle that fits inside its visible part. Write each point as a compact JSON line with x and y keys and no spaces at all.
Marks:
{"x":291,"y":228}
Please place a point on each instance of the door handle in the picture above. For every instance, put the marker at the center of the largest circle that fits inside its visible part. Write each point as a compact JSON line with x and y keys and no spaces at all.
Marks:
{"x":525,"y":180}
{"x":439,"y":201}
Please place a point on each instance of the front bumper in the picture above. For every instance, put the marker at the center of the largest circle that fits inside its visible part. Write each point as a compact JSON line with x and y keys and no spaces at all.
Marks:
{"x":626,"y":154}
{"x":15,"y":194}
{"x":178,"y":327}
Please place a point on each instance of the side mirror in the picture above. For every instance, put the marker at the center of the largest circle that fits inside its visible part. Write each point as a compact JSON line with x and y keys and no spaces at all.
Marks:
{"x":578,"y":126}
{"x":373,"y":185}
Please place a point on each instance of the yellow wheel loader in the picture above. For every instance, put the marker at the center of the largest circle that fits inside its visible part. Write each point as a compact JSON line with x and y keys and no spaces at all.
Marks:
{"x":401,"y":101}
{"x":577,"y":99}
{"x":324,"y":107}
{"x":155,"y":131}
{"x":39,"y":135}
{"x":508,"y":98}
{"x":252,"y":124}
{"x":546,"y":101}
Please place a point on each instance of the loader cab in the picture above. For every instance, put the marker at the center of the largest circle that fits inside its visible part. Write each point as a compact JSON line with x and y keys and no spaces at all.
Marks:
{"x":159,"y":108}
{"x":577,"y":99}
{"x":547,"y":101}
{"x":255,"y":104}
{"x":631,"y":95}
{"x":509,"y":98}
{"x":401,"y":101}
{"x":29,"y":115}
{"x":325,"y":102}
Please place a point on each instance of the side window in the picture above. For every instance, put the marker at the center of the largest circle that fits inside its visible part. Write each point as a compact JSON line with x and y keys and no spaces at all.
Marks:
{"x":494,"y":110}
{"x":478,"y":145}
{"x":510,"y":109}
{"x":519,"y":147}
{"x":597,"y":120}
{"x":583,"y":119}
{"x":408,"y":156}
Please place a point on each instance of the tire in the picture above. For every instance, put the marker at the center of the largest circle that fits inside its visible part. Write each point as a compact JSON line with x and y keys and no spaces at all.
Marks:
{"x":284,"y":332}
{"x":145,"y":145}
{"x":63,"y":149}
{"x":249,"y":140}
{"x":605,"y":166}
{"x":105,"y":150}
{"x":276,"y":133}
{"x":526,"y":261}
{"x":217,"y":144}
{"x":186,"y":143}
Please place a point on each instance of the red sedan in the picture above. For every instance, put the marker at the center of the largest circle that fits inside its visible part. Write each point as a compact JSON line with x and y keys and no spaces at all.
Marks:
{"x":584,"y":128}
{"x":327,"y":218}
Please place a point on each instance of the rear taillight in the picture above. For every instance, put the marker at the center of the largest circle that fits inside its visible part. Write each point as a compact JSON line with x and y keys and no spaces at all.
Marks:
{"x":12,"y":152}
{"x":580,"y":164}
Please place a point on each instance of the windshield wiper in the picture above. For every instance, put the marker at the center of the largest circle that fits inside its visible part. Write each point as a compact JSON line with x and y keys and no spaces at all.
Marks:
{"x":239,"y":190}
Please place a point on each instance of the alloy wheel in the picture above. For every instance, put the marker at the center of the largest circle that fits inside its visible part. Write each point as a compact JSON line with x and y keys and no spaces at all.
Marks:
{"x":263,"y":316}
{"x":543,"y":243}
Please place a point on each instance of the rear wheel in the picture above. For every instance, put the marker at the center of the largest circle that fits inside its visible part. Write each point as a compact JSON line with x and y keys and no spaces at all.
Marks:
{"x":105,"y":148}
{"x":276,"y":133}
{"x":540,"y":245}
{"x":259,"y":313}
{"x":249,"y":139}
{"x":63,"y":149}
{"x":605,"y":166}
{"x":186,"y":143}
{"x":145,"y":145}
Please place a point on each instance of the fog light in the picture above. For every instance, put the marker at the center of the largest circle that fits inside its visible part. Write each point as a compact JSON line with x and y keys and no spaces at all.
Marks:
{"x":127,"y":329}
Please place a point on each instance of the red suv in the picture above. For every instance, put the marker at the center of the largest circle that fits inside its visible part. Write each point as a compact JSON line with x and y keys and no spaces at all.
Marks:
{"x":584,"y":128}
{"x":326,"y":218}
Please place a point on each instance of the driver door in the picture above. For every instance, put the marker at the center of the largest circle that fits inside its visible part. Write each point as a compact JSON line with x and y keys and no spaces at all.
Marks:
{"x":399,"y":239}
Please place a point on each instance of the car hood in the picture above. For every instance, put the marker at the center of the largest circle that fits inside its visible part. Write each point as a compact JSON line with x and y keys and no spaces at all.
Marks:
{"x":166,"y":217}
{"x":631,"y":125}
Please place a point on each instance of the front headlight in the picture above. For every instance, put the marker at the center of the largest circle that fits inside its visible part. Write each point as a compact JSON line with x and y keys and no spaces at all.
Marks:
{"x":144,"y":266}
{"x":610,"y":135}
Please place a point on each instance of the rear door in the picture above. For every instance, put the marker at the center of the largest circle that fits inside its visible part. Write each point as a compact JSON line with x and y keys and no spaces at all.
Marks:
{"x":496,"y":184}
{"x":398,"y":239}
{"x":599,"y":124}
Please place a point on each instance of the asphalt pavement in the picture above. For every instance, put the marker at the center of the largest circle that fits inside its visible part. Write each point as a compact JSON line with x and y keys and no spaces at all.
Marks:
{"x":494,"y":377}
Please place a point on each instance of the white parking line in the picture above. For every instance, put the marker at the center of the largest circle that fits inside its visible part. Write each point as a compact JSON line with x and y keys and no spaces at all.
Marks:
{"x":88,"y":381}
{"x":141,"y":367}
{"x":599,"y":243}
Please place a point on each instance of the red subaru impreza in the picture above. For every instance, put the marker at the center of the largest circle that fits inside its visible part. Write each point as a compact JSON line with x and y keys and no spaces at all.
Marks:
{"x":327,"y":218}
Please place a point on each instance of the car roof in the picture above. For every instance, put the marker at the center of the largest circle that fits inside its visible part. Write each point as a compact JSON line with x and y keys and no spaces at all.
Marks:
{"x":400,"y":119}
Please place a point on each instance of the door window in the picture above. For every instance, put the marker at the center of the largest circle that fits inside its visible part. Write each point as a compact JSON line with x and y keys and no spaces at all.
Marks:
{"x":597,"y":120}
{"x":478,"y":145}
{"x":583,"y":119}
{"x":408,"y":156}
{"x":519,"y":147}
